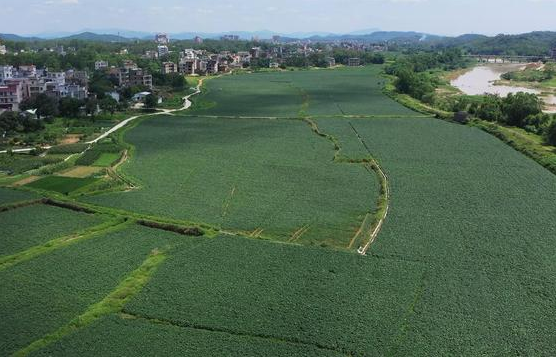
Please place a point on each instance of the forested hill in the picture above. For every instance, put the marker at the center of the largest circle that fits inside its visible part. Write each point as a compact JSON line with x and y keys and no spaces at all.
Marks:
{"x":528,"y":44}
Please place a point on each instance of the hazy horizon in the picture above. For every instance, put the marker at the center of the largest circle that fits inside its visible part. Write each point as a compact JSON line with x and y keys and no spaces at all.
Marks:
{"x":442,"y":17}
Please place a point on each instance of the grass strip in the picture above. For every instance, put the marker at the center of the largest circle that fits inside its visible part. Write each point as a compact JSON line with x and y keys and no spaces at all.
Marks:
{"x":112,"y":303}
{"x":106,"y":227}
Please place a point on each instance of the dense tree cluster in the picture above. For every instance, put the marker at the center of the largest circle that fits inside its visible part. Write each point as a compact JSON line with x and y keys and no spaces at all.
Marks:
{"x":412,"y":72}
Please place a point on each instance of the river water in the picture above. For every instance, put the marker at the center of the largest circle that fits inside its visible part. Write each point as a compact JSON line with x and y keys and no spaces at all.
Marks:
{"x":480,"y":80}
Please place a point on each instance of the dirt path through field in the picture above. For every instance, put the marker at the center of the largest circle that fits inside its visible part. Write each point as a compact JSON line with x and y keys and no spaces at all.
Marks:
{"x":385,"y":192}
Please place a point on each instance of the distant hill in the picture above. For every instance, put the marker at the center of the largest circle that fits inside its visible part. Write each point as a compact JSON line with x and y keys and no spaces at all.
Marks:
{"x":12,"y":37}
{"x":381,"y":36}
{"x":89,"y":36}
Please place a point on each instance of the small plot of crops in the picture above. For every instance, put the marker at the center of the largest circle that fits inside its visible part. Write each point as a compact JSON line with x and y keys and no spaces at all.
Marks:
{"x":43,"y":294}
{"x":62,"y":184}
{"x":20,"y":163}
{"x":270,"y":178}
{"x":126,"y":336}
{"x":8,"y":196}
{"x":100,"y":155}
{"x":107,"y":159}
{"x":26,"y":227}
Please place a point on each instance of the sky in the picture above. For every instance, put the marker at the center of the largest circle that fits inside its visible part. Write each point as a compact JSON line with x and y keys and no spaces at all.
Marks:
{"x":443,"y":17}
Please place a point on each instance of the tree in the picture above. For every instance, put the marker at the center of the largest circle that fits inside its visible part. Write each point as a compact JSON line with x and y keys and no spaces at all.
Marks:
{"x":46,"y":106}
{"x":69,"y":107}
{"x":8,"y":122}
{"x":517,"y":107}
{"x":151,"y":101}
{"x":91,"y":106}
{"x":177,"y":81}
{"x":108,"y":104}
{"x":491,"y":108}
{"x":550,"y":135}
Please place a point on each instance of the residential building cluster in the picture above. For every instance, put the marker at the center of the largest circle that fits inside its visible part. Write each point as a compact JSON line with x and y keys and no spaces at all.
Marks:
{"x":26,"y":81}
{"x":128,"y":75}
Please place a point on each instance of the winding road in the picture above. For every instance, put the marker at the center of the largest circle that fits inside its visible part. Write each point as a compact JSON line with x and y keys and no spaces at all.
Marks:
{"x":186,"y":105}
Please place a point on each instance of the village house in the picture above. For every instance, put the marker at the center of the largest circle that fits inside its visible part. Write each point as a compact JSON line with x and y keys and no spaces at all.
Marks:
{"x":100,"y":65}
{"x":187,"y":66}
{"x":169,"y":67}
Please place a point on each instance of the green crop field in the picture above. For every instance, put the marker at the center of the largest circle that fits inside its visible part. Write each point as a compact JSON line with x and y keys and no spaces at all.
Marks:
{"x":9,"y":196}
{"x":61,"y":184}
{"x":464,"y":264}
{"x":26,"y":227}
{"x":275,"y":177}
{"x":122,"y":336}
{"x":43,"y":294}
{"x":348,"y":91}
{"x":107,"y":159}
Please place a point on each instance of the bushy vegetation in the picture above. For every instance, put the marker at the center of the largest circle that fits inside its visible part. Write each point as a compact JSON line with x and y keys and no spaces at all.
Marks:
{"x":532,"y":74}
{"x":19,"y":163}
{"x":522,"y":110}
{"x":412,"y":72}
{"x":95,"y":153}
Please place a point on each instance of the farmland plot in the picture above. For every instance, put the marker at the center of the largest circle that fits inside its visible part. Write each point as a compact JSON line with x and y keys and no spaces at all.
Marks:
{"x":348,"y":91}
{"x":123,"y":336}
{"x":9,"y":196}
{"x":41,"y":295}
{"x":274,"y":178}
{"x":337,"y":301}
{"x":481,"y":215}
{"x":26,"y":227}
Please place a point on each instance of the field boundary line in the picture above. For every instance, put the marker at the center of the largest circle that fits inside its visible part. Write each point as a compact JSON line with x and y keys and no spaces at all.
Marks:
{"x":57,"y":243}
{"x":112,"y":303}
{"x":384,"y":198}
{"x":188,"y":325}
{"x":20,"y":204}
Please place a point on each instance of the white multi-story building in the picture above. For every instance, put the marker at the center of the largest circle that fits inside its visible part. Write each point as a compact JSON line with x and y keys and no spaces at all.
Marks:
{"x":162,"y":38}
{"x":100,"y":65}
{"x":6,"y":72}
{"x":59,"y":78}
{"x":163,"y":51}
{"x":3,"y":50}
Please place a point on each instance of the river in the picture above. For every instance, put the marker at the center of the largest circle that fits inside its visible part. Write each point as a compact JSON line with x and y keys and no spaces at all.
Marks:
{"x":481,"y":80}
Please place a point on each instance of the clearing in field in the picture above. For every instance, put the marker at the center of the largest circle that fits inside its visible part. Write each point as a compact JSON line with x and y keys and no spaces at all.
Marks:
{"x":80,"y":171}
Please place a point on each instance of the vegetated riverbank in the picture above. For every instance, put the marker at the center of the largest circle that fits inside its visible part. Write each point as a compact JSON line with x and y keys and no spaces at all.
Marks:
{"x":528,"y":143}
{"x":490,"y":79}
